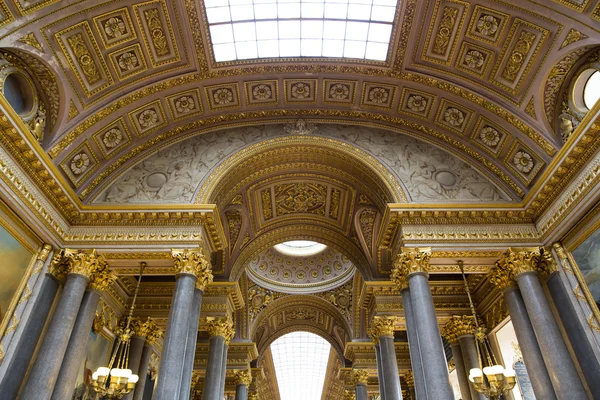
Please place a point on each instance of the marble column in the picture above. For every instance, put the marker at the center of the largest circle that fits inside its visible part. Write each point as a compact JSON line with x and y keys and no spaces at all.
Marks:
{"x":15,"y":373}
{"x":383,"y":328}
{"x":153,"y":333}
{"x":411,"y":330}
{"x":45,"y":370}
{"x":450,"y":333}
{"x":190,"y":267}
{"x":221,"y":332}
{"x":100,"y":280}
{"x":359,"y":379}
{"x":560,"y":366}
{"x":375,"y":340}
{"x":470,"y":359}
{"x":224,"y":368}
{"x":414,"y":264}
{"x":242,"y":380}
{"x":532,"y":355}
{"x":190,"y":347}
{"x":141,"y":331}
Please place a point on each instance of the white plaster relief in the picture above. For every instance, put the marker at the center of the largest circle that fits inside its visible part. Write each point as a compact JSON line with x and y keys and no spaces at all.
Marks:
{"x":174,"y":174}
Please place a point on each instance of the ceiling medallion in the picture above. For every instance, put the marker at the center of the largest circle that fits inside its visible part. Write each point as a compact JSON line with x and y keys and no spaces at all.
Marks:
{"x":300,"y":127}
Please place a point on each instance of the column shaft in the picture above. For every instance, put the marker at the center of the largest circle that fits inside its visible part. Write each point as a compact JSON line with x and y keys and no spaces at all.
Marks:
{"x":136,"y":347}
{"x":576,"y":333}
{"x":241,"y":392}
{"x":138,"y":394}
{"x":212,"y":380}
{"x":389,"y":367}
{"x":461,"y":372}
{"x":413,"y":345}
{"x":361,"y":392}
{"x":532,"y":355}
{"x":223,"y":371}
{"x":65,"y":383}
{"x":379,"y":372}
{"x":41,"y":381}
{"x":190,"y":347}
{"x":433,"y":357}
{"x":560,"y":366}
{"x":15,"y":373}
{"x":471,"y":360}
{"x":171,"y":365}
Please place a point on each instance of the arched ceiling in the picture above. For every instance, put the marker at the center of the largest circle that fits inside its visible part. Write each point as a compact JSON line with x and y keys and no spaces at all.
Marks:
{"x":466,"y":76}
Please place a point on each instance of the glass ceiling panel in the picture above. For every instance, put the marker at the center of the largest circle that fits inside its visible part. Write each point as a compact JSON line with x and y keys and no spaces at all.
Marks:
{"x":246,"y":29}
{"x":300,"y":360}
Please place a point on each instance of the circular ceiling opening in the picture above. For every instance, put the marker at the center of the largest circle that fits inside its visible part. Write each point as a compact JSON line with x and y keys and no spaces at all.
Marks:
{"x":300,"y":247}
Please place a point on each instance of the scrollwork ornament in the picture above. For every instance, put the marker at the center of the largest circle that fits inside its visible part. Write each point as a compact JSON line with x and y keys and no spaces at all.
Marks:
{"x":243,"y":377}
{"x":359,"y":376}
{"x":413,"y":261}
{"x":383,"y":325}
{"x":220,"y":327}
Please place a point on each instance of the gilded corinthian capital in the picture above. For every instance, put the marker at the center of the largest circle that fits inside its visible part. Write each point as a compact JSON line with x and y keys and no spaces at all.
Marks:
{"x":101,"y":277}
{"x":383,"y":326}
{"x":528,"y":259}
{"x":194,"y":263}
{"x":413,"y":260}
{"x":59,"y":266}
{"x":146,"y":329}
{"x":458,"y":326}
{"x":398,"y":275}
{"x":359,"y":376}
{"x":83,"y":262}
{"x":502,"y":276}
{"x":243,"y":377}
{"x":221,"y":327}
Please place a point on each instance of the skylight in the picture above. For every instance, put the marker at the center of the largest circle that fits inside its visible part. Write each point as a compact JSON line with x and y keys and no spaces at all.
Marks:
{"x":250,"y":29}
{"x":591,"y":92}
{"x":300,"y":247}
{"x":300,"y":360}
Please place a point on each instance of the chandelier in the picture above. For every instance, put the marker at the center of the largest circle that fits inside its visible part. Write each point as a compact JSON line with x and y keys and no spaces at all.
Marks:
{"x":490,"y":379}
{"x":116,"y":380}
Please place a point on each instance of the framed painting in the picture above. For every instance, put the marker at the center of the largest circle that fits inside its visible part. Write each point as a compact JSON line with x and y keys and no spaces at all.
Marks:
{"x":97,"y":353}
{"x":587,"y":257}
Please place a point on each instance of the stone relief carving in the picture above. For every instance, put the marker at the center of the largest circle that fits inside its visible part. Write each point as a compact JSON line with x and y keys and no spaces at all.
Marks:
{"x":174,"y":174}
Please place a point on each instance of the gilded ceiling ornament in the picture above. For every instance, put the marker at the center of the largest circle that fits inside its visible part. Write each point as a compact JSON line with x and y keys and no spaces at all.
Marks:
{"x":359,"y":376}
{"x":409,"y":379}
{"x":185,"y":104}
{"x":80,"y":163}
{"x":114,"y":27}
{"x":518,"y":55}
{"x":383,"y":325}
{"x":84,"y":58}
{"x":300,"y":198}
{"x":112,"y":138}
{"x":234,"y":223}
{"x":523,"y":161}
{"x":413,"y":261}
{"x":379,"y":95}
{"x":490,"y":136}
{"x":453,"y":116}
{"x":520,"y":260}
{"x":220,"y":327}
{"x":446,"y":25}
{"x":367,"y":222}
{"x":194,"y":263}
{"x":416,"y":103}
{"x":300,"y":90}
{"x":157,"y":32}
{"x":572,"y":37}
{"x":243,"y":377}
{"x":223,"y":96}
{"x":148,"y":118}
{"x":31,"y":40}
{"x":258,"y":299}
{"x":474,"y":59}
{"x":262,"y":92}
{"x":73,"y":111}
{"x":128,"y":61}
{"x":487,"y":25}
{"x":300,"y":127}
{"x":502,"y":276}
{"x":339,"y":91}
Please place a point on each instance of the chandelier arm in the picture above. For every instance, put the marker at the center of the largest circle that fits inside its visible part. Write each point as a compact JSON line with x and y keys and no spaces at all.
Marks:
{"x":462,"y":272}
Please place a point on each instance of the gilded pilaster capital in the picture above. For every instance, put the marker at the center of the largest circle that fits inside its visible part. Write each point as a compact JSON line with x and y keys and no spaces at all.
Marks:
{"x":560,"y":251}
{"x":409,"y":379}
{"x":359,"y":376}
{"x":59,"y":266}
{"x":242,"y":377}
{"x":413,"y":260}
{"x":349,"y":395}
{"x":398,"y":275}
{"x":253,"y":396}
{"x":44,"y":252}
{"x":221,"y":327}
{"x":101,"y":277}
{"x":383,"y":325}
{"x":146,"y":329}
{"x":83,"y":262}
{"x":502,"y":276}
{"x":520,"y":260}
{"x":194,"y":263}
{"x":458,"y":326}
{"x":546,"y":263}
